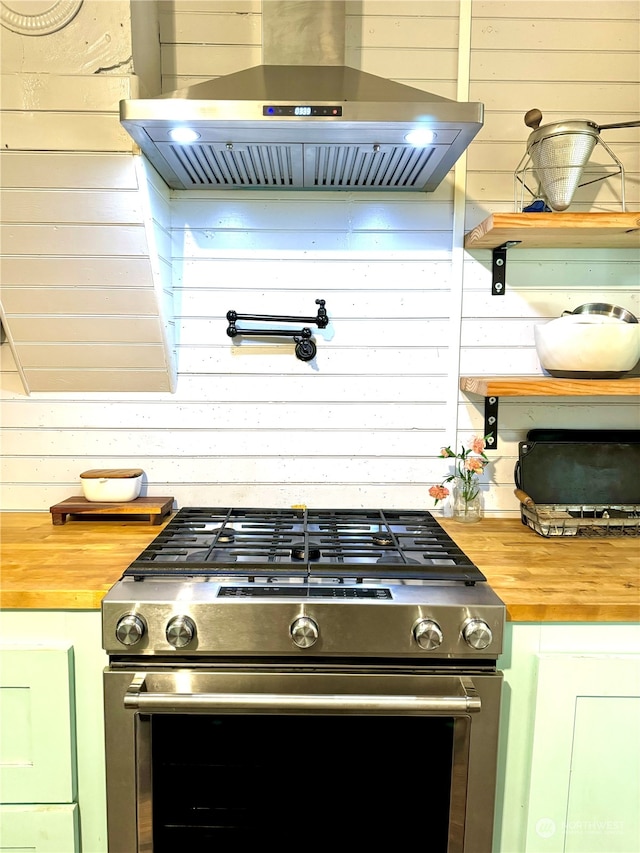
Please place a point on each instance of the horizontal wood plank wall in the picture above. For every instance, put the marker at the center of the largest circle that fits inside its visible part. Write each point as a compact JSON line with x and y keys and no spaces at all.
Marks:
{"x":81,"y":302}
{"x":250,"y":424}
{"x":78,"y":291}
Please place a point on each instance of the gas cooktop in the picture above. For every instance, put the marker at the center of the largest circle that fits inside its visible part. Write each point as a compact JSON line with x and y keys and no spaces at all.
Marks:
{"x":304,"y":545}
{"x":274,"y":582}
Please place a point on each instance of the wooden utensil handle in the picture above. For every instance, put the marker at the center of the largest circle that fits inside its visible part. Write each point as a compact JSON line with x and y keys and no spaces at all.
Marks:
{"x":524,"y":498}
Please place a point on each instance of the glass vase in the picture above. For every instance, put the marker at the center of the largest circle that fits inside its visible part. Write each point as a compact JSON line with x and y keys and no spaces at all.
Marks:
{"x":467,"y":503}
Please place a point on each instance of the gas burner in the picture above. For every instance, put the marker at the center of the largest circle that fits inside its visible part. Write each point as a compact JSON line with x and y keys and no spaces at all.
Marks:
{"x":298,"y":551}
{"x":225,"y":535}
{"x":383,"y":540}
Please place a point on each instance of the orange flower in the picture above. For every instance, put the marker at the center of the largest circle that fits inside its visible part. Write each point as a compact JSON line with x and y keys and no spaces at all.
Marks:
{"x":474,"y":464}
{"x":439,"y":493}
{"x":477,"y":445}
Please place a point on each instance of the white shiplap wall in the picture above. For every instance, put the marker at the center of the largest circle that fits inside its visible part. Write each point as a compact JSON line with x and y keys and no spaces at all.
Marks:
{"x":84,"y":298}
{"x":362,"y":425}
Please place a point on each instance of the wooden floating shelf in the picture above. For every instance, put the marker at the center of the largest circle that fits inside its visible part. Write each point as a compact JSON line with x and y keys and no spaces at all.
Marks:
{"x":549,"y":386}
{"x":494,"y":387}
{"x":557,"y":231}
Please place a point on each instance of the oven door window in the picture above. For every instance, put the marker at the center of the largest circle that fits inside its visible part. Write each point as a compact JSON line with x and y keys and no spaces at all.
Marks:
{"x":224,"y":781}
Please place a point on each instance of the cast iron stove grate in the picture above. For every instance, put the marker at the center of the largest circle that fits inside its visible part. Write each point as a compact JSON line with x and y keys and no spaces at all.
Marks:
{"x":306,"y":544}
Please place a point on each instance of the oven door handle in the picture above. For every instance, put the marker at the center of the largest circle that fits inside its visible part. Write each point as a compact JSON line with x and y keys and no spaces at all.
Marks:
{"x":137,"y":698}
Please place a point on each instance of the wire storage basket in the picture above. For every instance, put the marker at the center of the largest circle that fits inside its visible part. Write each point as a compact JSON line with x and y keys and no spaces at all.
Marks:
{"x":587,"y":521}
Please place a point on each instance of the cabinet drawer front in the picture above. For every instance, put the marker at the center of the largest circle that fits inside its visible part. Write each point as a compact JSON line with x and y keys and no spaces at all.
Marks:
{"x":39,"y":829}
{"x":37,"y":740}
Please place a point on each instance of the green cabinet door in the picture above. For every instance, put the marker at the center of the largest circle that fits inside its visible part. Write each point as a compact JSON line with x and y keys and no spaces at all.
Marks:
{"x":37,"y":740}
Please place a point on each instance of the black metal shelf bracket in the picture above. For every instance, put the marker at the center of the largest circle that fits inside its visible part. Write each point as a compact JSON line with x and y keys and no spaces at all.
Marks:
{"x":491,"y":422}
{"x":305,"y":345}
{"x":499,"y":267}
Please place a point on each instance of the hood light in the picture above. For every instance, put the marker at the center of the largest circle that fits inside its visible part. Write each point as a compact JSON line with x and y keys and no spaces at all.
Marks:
{"x":420,"y":137}
{"x":183,"y":135}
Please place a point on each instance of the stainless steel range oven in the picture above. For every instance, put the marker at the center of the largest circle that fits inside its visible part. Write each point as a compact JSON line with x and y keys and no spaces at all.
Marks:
{"x":309,"y":676}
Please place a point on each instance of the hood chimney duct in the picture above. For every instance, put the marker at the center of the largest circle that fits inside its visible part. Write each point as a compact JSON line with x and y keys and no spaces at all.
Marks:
{"x":303,"y":32}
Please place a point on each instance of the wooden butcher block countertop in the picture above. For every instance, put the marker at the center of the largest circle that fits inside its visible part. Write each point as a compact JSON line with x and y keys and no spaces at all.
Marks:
{"x":71,"y":566}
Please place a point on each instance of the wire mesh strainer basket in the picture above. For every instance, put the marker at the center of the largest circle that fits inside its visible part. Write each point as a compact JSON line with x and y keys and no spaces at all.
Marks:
{"x":558,"y":154}
{"x":558,"y":158}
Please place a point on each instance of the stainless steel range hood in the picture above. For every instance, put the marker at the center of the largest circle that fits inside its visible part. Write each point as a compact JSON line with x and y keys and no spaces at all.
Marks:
{"x":291,"y":125}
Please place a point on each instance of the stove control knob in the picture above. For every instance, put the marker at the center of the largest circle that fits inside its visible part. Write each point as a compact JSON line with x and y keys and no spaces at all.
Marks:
{"x":427,"y":634}
{"x":130,"y":630}
{"x":180,"y":631}
{"x":304,"y":632}
{"x":477,"y":634}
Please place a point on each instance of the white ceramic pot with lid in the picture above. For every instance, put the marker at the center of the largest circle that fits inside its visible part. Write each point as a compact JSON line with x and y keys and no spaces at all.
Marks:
{"x":588,"y":346}
{"x":111,"y":485}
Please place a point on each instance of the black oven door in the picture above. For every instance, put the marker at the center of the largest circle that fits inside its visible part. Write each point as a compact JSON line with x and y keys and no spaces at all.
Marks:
{"x":227,"y":758}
